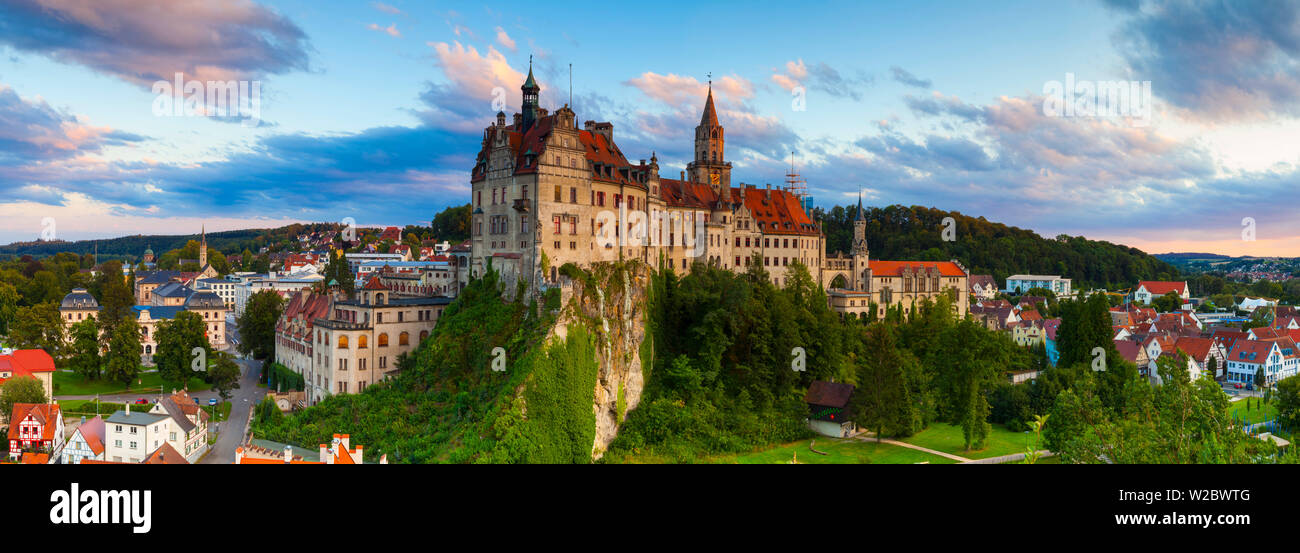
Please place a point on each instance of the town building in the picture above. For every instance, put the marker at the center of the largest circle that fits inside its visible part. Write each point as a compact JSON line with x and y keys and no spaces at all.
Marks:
{"x":87,"y":442}
{"x":188,"y":433}
{"x":295,"y":332}
{"x":37,"y":428}
{"x":360,"y":342}
{"x":1149,"y":290}
{"x":133,"y":436}
{"x":338,"y":452}
{"x":983,"y":287}
{"x":1019,"y":284}
{"x":29,"y":363}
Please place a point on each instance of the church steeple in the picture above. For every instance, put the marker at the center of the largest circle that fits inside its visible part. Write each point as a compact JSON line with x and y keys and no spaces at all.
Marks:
{"x":203,"y":246}
{"x":710,"y":117}
{"x":531,"y":92}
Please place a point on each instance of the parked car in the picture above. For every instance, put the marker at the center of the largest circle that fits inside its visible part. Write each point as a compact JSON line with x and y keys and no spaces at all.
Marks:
{"x":1237,"y":385}
{"x":142,"y":401}
{"x":212,"y":401}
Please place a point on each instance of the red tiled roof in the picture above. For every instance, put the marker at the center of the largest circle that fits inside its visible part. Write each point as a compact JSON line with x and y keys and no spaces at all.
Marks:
{"x":93,"y":432}
{"x":30,"y":458}
{"x":166,"y":455}
{"x":1196,"y":348}
{"x":375,"y":284}
{"x":1030,"y":315}
{"x":26,"y":362}
{"x":43,"y":413}
{"x":1250,"y":351}
{"x":895,"y":268}
{"x":1128,"y":349}
{"x":1160,"y":288}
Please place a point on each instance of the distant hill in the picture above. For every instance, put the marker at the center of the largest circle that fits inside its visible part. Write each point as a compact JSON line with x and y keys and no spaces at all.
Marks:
{"x":984,"y":247}
{"x":132,"y":247}
{"x":1175,"y":257}
{"x":1195,"y":263}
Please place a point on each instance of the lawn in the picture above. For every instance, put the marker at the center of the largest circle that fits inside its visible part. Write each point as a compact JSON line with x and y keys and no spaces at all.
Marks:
{"x":79,"y":407}
{"x":223,"y":411}
{"x":838,"y":451}
{"x":948,"y":439}
{"x":1257,"y":411}
{"x":71,"y":384}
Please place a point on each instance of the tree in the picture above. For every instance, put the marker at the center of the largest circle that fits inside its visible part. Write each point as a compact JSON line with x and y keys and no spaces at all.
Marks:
{"x":177,"y":340}
{"x":881,"y":400}
{"x":115,"y":298}
{"x":1168,"y":303}
{"x":257,"y":325}
{"x":452,"y":224}
{"x":38,"y":327}
{"x":1288,"y":401}
{"x":8,"y":306}
{"x":20,"y":390}
{"x":122,"y":363}
{"x":84,"y":357}
{"x":223,"y":374}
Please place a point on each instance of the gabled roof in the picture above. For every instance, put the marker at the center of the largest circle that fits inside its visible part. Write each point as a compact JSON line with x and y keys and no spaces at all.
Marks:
{"x":983,"y":281}
{"x":177,"y":414}
{"x":26,"y":362}
{"x":1128,"y":349}
{"x":1160,"y":287}
{"x":1251,"y":351}
{"x":93,"y":432}
{"x":43,"y":413}
{"x":166,"y":455}
{"x":1196,"y":348}
{"x":829,"y":394}
{"x":375,"y":284}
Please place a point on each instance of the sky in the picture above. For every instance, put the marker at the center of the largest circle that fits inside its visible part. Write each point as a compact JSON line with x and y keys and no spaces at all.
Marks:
{"x":375,"y":110}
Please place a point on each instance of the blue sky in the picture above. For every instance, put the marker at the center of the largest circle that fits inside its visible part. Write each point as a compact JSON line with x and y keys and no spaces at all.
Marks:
{"x":375,"y":110}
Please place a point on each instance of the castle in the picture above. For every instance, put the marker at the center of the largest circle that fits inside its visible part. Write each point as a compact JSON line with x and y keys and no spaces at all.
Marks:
{"x":546,"y":192}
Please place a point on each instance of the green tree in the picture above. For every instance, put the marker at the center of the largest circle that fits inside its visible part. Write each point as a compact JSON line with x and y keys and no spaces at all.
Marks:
{"x":122,"y":363}
{"x":257,"y":325}
{"x":8,"y":306}
{"x":881,"y":400}
{"x":84,"y":354}
{"x":1168,"y":303}
{"x":115,"y":298}
{"x":223,"y":374}
{"x":177,"y":339}
{"x":20,"y":390}
{"x":38,"y":327}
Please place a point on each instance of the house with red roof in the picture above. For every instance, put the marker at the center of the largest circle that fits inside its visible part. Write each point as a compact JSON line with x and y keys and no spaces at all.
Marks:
{"x":87,"y":442}
{"x":1148,"y":290}
{"x":36,"y":427}
{"x":29,"y":363}
{"x":1201,"y":354}
{"x":1250,"y":357}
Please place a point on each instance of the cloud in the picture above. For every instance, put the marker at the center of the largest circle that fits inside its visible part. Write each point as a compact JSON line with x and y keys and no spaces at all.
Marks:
{"x":474,"y":81}
{"x":505,"y":40}
{"x":143,"y":41}
{"x":32,"y":131}
{"x":904,"y":76}
{"x":391,"y":30}
{"x":1220,"y":61}
{"x":386,"y":8}
{"x":821,"y":77}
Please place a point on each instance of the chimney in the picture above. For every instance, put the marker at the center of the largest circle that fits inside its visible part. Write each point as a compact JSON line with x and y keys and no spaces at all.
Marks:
{"x":288,"y":454}
{"x":128,"y":407}
{"x":683,"y":176}
{"x":239,"y":455}
{"x":325,"y":457}
{"x":358,"y":457}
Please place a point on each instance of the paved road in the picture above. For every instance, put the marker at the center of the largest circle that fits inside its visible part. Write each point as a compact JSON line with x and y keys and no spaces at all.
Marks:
{"x":232,"y":430}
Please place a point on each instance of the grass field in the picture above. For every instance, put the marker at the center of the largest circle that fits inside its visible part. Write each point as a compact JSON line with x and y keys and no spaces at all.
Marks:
{"x":1257,"y":411}
{"x":948,"y":439}
{"x":71,"y":384}
{"x":838,"y":451}
{"x":78,"y":407}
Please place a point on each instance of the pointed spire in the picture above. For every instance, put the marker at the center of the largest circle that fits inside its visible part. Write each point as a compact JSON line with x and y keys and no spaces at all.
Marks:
{"x":858,"y":216}
{"x":710,"y":117}
{"x":531,"y":82}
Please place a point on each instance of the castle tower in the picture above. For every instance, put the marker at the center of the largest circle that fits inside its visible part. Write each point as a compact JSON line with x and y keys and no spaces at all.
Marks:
{"x":203,"y":246}
{"x":859,"y":251}
{"x":531,"y":93}
{"x":710,"y":165}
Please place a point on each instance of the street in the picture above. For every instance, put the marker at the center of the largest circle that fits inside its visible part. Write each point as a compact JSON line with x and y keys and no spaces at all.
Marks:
{"x":232,"y":430}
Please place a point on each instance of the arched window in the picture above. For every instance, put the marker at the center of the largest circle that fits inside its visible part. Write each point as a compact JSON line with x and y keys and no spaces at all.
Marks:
{"x":343,"y":342}
{"x":361,"y":342}
{"x":404,"y":339}
{"x":383,"y":340}
{"x":423,"y":334}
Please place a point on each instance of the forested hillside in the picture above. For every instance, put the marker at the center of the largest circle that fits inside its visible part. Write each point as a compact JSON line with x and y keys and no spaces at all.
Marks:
{"x":914,"y":233}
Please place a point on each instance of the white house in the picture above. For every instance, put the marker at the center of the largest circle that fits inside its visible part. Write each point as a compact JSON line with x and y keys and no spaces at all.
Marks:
{"x":1019,"y":284}
{"x":132,"y":436}
{"x":87,"y":442}
{"x":1148,"y":290}
{"x":188,"y":434}
{"x":1278,"y":360}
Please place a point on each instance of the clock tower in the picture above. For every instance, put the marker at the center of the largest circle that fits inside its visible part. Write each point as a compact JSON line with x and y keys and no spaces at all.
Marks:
{"x":710,"y":166}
